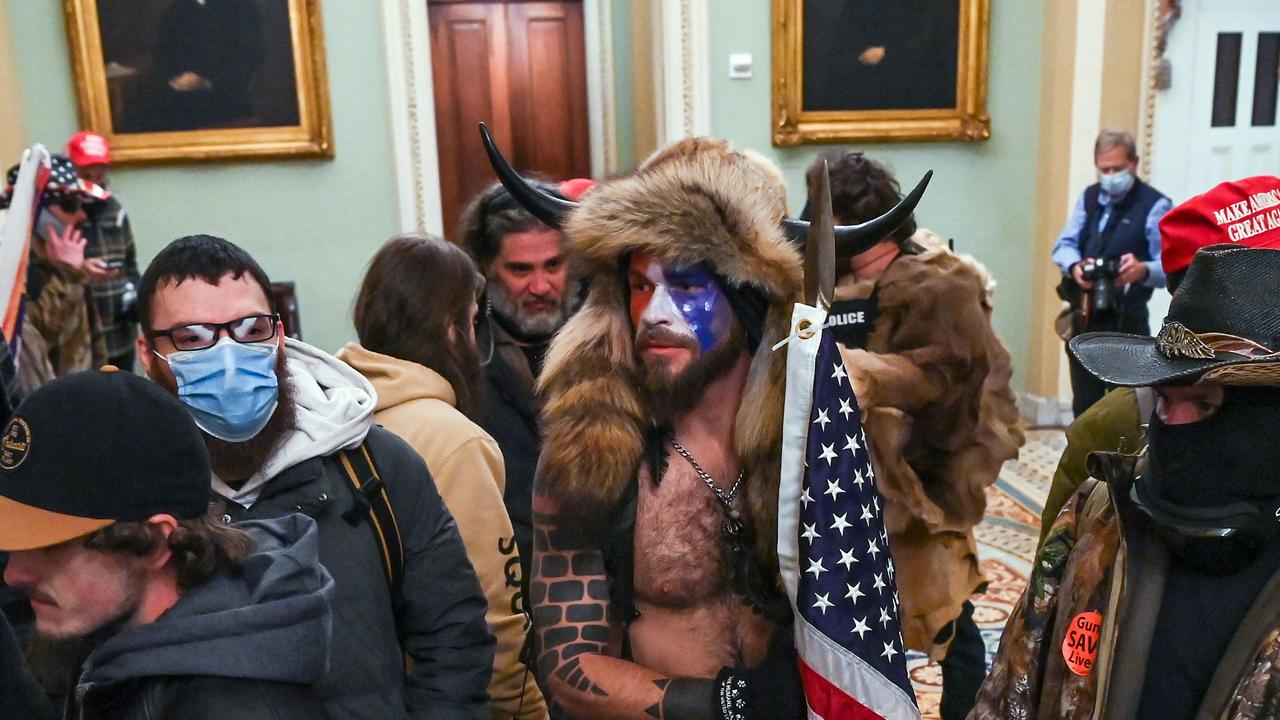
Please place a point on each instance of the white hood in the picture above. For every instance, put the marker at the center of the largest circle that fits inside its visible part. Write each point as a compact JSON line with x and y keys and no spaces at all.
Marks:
{"x":334,"y":411}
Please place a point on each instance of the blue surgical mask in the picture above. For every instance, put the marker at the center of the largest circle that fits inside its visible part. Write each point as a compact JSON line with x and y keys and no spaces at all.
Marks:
{"x":230,"y":389}
{"x":1116,"y":184}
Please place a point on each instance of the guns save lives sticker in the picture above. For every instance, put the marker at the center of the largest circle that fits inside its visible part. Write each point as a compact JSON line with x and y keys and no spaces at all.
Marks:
{"x":1080,"y":646}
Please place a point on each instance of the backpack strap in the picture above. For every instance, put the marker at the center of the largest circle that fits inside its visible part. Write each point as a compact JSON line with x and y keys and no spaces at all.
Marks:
{"x":371,"y":501}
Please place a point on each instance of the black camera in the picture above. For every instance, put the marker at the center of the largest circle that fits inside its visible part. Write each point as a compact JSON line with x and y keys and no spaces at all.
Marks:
{"x":1102,"y":272}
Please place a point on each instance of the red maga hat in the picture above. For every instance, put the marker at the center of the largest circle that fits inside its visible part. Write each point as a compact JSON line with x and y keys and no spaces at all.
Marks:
{"x":88,"y":148}
{"x":1242,"y":212}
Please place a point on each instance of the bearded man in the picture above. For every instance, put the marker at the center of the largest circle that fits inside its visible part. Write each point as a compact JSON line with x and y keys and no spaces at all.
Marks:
{"x":528,"y":296}
{"x":655,"y":583}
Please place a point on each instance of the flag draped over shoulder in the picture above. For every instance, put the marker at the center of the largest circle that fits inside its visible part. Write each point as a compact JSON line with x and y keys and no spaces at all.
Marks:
{"x":832,"y":545}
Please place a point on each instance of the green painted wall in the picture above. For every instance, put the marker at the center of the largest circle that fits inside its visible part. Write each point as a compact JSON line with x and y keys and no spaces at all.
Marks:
{"x":982,"y":194}
{"x":624,"y":126}
{"x":314,"y":222}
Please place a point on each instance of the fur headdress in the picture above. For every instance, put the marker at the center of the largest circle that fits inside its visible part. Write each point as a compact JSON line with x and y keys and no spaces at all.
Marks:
{"x":697,"y":200}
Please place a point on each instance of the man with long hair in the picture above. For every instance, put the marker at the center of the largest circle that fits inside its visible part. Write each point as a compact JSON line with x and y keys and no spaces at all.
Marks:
{"x":417,"y":347}
{"x":106,"y":513}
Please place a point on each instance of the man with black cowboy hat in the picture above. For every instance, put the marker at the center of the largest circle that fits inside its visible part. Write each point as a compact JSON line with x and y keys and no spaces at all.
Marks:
{"x":105,"y":510}
{"x":1154,"y":594}
{"x":655,"y":582}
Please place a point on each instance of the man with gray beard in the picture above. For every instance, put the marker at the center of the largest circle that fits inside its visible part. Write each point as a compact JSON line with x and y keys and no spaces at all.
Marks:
{"x":529,"y":296}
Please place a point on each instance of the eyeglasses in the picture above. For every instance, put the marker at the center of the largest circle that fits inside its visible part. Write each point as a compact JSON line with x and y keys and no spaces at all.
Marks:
{"x":198,"y":336}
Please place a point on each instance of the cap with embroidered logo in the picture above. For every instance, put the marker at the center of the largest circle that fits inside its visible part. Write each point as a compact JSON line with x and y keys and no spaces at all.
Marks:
{"x":95,"y":448}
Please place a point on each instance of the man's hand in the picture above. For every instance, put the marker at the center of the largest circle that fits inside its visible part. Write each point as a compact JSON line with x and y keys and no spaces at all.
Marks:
{"x":97,"y":270}
{"x":1077,"y":274}
{"x":65,"y":248}
{"x":188,"y":81}
{"x":1132,"y":270}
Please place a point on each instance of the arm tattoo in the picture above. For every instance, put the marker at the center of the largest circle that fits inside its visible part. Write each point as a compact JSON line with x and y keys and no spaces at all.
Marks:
{"x":570,"y":606}
{"x":683,"y":699}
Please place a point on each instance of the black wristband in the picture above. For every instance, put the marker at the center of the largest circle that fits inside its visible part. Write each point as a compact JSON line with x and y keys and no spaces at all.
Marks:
{"x":731,"y":696}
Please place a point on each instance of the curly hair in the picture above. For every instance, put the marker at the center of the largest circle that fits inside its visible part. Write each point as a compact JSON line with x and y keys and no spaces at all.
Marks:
{"x":491,"y":216}
{"x":201,"y":548}
{"x":861,"y":189}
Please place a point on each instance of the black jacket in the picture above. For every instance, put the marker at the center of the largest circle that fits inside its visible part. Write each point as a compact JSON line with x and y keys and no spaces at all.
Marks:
{"x":437,"y":617}
{"x":247,"y":644}
{"x":20,"y":695}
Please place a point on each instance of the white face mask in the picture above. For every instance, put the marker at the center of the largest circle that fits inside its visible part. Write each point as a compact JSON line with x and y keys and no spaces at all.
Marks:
{"x":1116,"y":184}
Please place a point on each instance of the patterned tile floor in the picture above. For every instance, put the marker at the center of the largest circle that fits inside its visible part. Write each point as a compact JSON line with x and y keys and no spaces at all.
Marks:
{"x":1006,"y":544}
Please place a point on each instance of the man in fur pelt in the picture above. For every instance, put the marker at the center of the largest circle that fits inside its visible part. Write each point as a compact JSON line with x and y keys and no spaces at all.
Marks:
{"x":932,"y":380}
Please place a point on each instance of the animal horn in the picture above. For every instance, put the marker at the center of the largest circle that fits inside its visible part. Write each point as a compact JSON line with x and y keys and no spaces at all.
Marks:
{"x":549,"y":209}
{"x":855,"y":239}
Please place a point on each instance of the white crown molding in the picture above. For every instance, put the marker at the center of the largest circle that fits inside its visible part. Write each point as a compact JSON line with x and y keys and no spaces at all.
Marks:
{"x":407,"y":39}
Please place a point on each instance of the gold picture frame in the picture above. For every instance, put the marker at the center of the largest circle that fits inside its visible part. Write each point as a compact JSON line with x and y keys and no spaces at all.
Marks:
{"x":794,"y":124}
{"x":150,"y":119}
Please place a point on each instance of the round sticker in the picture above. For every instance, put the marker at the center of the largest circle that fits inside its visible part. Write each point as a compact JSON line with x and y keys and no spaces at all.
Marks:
{"x":1080,"y":646}
{"x":15,"y":445}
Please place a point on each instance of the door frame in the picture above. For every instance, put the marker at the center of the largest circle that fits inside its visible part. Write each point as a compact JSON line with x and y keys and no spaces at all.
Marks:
{"x":407,"y":41}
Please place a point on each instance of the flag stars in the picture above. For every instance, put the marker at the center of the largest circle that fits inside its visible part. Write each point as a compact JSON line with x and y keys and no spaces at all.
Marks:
{"x":834,"y":489}
{"x":851,"y":444}
{"x":885,"y":617}
{"x":822,"y":420}
{"x":860,"y":626}
{"x":816,"y":567}
{"x":889,"y":651}
{"x":866,"y":515}
{"x":858,"y":479}
{"x":806,"y":498}
{"x":841,"y":522}
{"x":847,"y":559}
{"x":879,"y":583}
{"x":872,"y":548}
{"x":822,"y":602}
{"x":855,"y":592}
{"x":846,"y":408}
{"x":828,"y":453}
{"x":811,"y":532}
{"x":838,"y":373}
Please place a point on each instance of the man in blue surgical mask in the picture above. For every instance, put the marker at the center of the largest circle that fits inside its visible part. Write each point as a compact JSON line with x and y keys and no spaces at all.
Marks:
{"x":1109,"y":254}
{"x":287,"y":426}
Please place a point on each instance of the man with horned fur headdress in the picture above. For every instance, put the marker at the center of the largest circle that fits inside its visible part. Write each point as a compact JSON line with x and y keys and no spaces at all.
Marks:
{"x":654,"y":584}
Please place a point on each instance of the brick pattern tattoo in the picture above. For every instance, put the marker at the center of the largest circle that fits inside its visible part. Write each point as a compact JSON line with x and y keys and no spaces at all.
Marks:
{"x":570,"y":595}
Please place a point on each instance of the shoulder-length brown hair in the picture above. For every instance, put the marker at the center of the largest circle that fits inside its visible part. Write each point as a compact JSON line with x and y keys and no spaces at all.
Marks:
{"x":419,"y":287}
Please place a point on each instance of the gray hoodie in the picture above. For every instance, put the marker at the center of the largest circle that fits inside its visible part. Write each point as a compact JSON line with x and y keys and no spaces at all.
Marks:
{"x":271,"y":621}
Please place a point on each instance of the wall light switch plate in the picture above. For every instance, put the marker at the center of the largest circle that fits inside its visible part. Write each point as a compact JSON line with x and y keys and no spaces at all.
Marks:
{"x":740,"y":66}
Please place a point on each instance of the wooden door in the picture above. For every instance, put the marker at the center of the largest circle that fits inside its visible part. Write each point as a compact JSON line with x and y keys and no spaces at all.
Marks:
{"x":521,"y":68}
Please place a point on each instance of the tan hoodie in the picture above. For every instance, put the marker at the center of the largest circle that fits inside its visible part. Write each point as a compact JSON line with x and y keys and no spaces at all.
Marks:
{"x":417,"y":404}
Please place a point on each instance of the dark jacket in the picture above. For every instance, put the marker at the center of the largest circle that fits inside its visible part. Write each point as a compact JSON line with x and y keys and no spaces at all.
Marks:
{"x":244,"y":645}
{"x":20,"y":695}
{"x":510,"y":415}
{"x":437,"y":616}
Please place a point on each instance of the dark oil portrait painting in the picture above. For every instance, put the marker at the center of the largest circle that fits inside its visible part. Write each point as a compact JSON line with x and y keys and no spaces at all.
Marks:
{"x":198,"y":64}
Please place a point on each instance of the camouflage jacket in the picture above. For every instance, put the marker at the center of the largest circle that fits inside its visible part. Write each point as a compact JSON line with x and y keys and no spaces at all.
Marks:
{"x":1076,"y":645}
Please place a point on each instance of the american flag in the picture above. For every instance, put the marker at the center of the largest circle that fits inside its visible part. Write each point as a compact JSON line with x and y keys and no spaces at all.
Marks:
{"x":832,"y":544}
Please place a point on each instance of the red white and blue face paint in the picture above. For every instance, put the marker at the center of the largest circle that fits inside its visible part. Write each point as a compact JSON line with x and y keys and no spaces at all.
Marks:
{"x":679,"y":304}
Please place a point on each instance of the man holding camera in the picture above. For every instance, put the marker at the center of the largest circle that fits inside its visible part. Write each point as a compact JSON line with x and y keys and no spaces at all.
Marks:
{"x":1109,"y":253}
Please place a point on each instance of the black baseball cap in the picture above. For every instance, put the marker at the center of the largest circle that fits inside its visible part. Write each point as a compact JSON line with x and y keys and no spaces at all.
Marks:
{"x":95,"y":448}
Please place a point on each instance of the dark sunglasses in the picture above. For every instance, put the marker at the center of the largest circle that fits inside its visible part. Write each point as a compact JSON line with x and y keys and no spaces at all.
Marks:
{"x":198,"y":336}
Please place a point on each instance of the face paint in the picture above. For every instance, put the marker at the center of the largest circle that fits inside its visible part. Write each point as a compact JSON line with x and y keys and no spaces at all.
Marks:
{"x":684,"y":301}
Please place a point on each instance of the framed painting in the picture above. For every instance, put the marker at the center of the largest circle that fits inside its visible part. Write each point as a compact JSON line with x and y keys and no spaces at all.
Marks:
{"x":175,"y":80}
{"x":875,"y":71}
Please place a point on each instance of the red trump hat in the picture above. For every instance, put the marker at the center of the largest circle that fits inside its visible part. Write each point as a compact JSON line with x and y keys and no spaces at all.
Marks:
{"x":1242,"y":212}
{"x":89,"y":148}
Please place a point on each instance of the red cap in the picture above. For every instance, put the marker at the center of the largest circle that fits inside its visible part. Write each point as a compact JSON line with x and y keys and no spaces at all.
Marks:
{"x":88,"y":148}
{"x":1243,"y":212}
{"x":575,"y":188}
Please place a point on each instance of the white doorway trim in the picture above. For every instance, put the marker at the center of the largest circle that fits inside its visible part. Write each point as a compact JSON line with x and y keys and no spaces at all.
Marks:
{"x":597,"y":23}
{"x":684,"y":75}
{"x":411,"y":108}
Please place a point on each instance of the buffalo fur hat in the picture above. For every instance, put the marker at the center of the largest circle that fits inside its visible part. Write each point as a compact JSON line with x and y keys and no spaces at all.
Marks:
{"x":697,"y":200}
